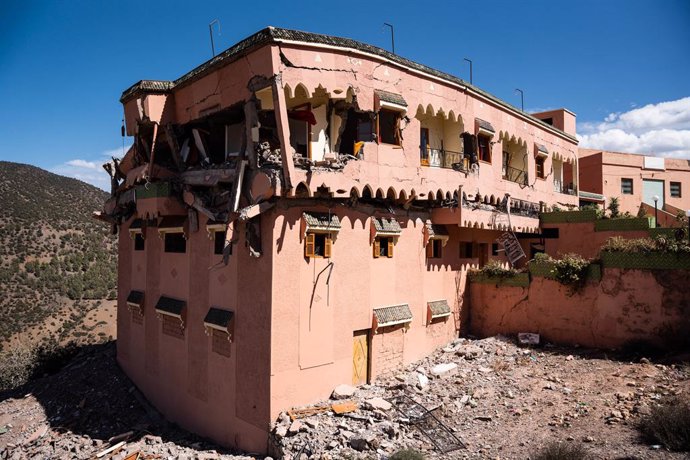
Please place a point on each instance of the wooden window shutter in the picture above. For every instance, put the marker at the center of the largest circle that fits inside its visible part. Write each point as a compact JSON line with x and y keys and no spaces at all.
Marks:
{"x":377,"y":248}
{"x":430,"y":249}
{"x":390,"y":247}
{"x":309,"y":244}
{"x":328,"y":246}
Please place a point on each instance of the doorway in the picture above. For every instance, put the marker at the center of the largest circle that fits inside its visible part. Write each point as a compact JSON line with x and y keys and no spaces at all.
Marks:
{"x":360,"y":357}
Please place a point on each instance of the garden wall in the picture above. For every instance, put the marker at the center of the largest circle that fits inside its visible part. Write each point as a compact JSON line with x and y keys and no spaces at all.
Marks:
{"x":627,"y":306}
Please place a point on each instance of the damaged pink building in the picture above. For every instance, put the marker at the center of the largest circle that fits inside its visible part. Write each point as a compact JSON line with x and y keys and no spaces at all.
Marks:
{"x":300,"y":211}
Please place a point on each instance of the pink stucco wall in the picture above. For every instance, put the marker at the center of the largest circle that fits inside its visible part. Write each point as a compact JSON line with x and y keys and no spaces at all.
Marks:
{"x":312,"y":347}
{"x":626,"y":307}
{"x":183,"y":378}
{"x":582,"y":239}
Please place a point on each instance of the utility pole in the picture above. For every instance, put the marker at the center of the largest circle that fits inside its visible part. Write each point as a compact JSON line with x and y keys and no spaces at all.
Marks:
{"x":470,"y":69}
{"x":392,"y":35}
{"x":210,"y":32}
{"x":522,"y":99}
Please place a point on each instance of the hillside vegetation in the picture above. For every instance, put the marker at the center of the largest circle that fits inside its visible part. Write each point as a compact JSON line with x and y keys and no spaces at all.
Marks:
{"x":56,"y":262}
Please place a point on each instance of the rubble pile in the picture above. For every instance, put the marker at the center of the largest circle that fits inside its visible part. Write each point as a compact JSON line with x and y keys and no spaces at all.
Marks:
{"x":89,"y":408}
{"x":500,"y":400}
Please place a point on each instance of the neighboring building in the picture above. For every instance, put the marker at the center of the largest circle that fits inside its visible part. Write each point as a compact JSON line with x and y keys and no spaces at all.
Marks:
{"x":635,"y":180}
{"x":300,"y":211}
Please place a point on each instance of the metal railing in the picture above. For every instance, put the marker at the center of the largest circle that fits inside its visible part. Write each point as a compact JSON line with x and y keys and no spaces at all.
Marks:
{"x":560,"y":187}
{"x":515,"y":175}
{"x":441,"y":158}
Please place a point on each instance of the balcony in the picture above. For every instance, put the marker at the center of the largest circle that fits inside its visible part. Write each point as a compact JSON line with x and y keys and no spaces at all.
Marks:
{"x":515,"y":175}
{"x":442,"y":158}
{"x":567,"y":189}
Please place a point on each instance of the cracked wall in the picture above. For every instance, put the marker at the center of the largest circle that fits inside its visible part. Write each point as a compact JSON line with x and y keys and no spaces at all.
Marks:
{"x":626,"y":307}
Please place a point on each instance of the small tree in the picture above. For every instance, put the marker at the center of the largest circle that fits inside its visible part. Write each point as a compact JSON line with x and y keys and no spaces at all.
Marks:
{"x":614,"y":207}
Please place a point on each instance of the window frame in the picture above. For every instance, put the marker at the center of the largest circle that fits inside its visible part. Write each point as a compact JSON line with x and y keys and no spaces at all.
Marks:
{"x":169,"y":249}
{"x":625,"y":180}
{"x":480,"y":152}
{"x":310,"y":245}
{"x":216,"y":243}
{"x":139,"y":242}
{"x":396,"y":134}
{"x":540,"y":161}
{"x":434,"y":248}
{"x":679,"y":192}
{"x":383,"y":247}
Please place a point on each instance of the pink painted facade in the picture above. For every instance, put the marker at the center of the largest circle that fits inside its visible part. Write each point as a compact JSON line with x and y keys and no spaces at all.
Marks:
{"x":351,"y":188}
{"x":626,"y":307}
{"x":634,"y":179}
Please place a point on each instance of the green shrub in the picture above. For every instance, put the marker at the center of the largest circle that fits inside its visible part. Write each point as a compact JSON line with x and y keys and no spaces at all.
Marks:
{"x":571,"y":270}
{"x":660,"y":244}
{"x":407,"y":454}
{"x":614,"y":207}
{"x":495,"y":269}
{"x":668,"y":424}
{"x":560,"y":451}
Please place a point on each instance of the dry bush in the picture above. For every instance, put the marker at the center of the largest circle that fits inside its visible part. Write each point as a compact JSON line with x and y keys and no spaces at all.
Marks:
{"x":560,"y":451}
{"x":668,"y":424}
{"x":16,"y":366}
{"x":407,"y":454}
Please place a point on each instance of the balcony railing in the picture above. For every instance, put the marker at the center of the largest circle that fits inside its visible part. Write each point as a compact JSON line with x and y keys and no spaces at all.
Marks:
{"x":441,"y":158}
{"x":515,"y":175}
{"x":560,"y":187}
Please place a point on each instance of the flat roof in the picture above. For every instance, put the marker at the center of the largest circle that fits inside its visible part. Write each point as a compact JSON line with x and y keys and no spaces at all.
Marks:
{"x":277,"y":35}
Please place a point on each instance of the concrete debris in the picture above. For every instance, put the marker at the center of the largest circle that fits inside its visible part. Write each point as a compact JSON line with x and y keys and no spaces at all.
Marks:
{"x":507,"y":414}
{"x":444,"y":369}
{"x":527,"y":338}
{"x":377,"y":403}
{"x":343,"y":391}
{"x":490,"y":393}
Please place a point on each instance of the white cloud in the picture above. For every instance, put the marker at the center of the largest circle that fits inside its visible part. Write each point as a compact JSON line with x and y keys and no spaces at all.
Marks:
{"x":661,"y":129}
{"x":89,"y":171}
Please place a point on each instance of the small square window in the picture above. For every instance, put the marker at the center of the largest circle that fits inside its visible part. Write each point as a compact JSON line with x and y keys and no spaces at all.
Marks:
{"x":494,"y":249}
{"x":318,"y":245}
{"x":138,"y":242}
{"x":626,"y":186}
{"x":675,"y":190}
{"x":175,"y":242}
{"x":383,"y":247}
{"x":434,"y":249}
{"x":219,"y":243}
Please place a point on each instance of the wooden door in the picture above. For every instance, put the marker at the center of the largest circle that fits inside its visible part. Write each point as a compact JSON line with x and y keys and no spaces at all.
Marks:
{"x":360,"y":357}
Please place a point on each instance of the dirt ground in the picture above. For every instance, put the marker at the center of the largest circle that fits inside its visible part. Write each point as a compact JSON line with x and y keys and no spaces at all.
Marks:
{"x":500,"y":400}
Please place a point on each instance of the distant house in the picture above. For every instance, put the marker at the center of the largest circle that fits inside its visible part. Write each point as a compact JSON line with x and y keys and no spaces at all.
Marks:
{"x":635,"y":180}
{"x":300,"y":211}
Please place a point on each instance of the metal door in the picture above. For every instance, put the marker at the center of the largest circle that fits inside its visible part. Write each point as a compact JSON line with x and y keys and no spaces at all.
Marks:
{"x":651,"y":188}
{"x":360,"y":357}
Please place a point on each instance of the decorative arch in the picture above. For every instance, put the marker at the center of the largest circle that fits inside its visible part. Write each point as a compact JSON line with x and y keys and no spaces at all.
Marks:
{"x":391,"y":195}
{"x":302,"y":191}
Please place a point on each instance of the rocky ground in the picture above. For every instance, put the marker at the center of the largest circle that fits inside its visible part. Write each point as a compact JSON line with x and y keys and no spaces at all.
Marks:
{"x":498,"y":399}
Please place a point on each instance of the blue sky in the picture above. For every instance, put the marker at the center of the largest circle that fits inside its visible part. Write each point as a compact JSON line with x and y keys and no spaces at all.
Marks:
{"x":622,"y":66}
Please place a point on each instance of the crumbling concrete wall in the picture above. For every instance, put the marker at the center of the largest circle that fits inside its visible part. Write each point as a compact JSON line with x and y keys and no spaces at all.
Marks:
{"x":626,"y":307}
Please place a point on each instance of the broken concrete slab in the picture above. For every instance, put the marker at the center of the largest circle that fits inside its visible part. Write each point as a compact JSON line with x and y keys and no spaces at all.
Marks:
{"x":444,"y":369}
{"x":378,"y":403}
{"x":343,"y":391}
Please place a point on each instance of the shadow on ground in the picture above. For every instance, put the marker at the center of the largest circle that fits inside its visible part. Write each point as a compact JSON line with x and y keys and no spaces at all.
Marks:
{"x":91,"y":396}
